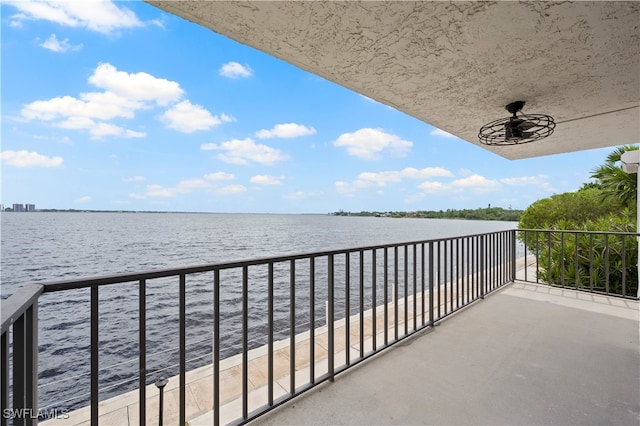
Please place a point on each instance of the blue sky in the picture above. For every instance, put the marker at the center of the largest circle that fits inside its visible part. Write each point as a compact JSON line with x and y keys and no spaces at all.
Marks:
{"x":120,"y":106}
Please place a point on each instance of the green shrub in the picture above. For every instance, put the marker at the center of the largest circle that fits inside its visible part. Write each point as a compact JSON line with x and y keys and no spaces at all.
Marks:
{"x":595,"y":262}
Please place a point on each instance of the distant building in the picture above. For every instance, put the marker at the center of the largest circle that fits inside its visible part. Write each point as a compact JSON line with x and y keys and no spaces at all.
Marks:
{"x":23,"y":208}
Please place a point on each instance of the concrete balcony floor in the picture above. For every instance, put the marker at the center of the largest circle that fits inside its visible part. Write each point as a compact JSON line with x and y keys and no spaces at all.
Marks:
{"x":527,"y":354}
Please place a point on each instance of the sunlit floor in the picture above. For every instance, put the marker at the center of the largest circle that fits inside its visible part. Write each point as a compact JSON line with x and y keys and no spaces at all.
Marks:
{"x":527,"y":354}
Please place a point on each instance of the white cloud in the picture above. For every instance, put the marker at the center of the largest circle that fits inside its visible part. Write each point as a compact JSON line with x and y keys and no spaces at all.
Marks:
{"x":441,"y":133}
{"x":476,"y":182}
{"x":188,"y":118}
{"x":60,"y":46}
{"x":286,"y":130}
{"x":100,"y":129}
{"x":102,"y":16}
{"x":230,"y":189}
{"x":266,"y":180}
{"x":525,"y":180}
{"x":540,"y":181}
{"x":381,"y":179}
{"x":139,"y":86}
{"x":368,"y":144}
{"x":207,"y":183}
{"x":134,"y":179}
{"x":470,"y":184}
{"x":433,"y":187}
{"x":219,"y":176}
{"x":29,"y":159}
{"x":84,"y":199}
{"x":235,"y":70}
{"x":103,"y":106}
{"x":245,"y":151}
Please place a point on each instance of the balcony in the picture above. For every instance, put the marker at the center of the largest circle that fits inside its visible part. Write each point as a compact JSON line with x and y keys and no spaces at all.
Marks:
{"x":457,"y":330}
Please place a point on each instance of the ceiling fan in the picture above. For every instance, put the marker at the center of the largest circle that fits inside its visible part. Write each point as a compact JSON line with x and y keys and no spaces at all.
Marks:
{"x":517,"y":129}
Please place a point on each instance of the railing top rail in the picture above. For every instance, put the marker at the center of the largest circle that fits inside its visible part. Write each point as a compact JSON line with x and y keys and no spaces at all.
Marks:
{"x":576,"y":231}
{"x":77,"y":283}
{"x":18,"y":303}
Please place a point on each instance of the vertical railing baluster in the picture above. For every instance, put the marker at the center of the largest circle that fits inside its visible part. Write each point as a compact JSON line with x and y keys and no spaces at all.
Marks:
{"x":451,"y":274}
{"x":526,"y":250}
{"x":330,"y":320}
{"x":19,"y":368}
{"x":549,"y":258}
{"x":483,"y":266}
{"x":444,"y":263}
{"x":361,"y":295}
{"x":4,"y":375}
{"x":465,"y":271}
{"x":347,"y":303}
{"x":94,"y":355}
{"x":183,"y":348}
{"x":245,"y":343}
{"x":576,"y":265}
{"x":431,"y":272}
{"x":415,"y":288}
{"x":624,"y":267}
{"x":270,"y":331}
{"x":374,"y":284}
{"x":470,"y":269}
{"x":439,"y":279}
{"x":312,"y":320}
{"x":216,"y":347}
{"x":422,"y":280}
{"x":457,"y":269}
{"x":142,"y":351}
{"x":537,"y":257}
{"x":292,"y":326}
{"x":406,"y":289}
{"x":31,"y":362}
{"x":591,"y":280}
{"x":606,"y":265}
{"x":395,"y":292}
{"x":562,"y":262}
{"x":386,"y":296}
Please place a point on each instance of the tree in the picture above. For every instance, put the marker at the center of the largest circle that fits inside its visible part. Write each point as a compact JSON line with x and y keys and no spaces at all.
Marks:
{"x":615,"y":183}
{"x":577,"y":207}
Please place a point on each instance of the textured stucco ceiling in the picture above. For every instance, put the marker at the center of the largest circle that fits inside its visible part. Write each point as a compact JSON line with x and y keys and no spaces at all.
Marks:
{"x":455,"y":65}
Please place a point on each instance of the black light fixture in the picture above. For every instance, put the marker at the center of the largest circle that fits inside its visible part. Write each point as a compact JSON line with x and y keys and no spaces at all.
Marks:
{"x":517,"y":129}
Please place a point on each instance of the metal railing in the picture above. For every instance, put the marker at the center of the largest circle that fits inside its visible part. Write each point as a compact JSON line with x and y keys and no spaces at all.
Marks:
{"x":386,"y":292}
{"x":598,"y":262}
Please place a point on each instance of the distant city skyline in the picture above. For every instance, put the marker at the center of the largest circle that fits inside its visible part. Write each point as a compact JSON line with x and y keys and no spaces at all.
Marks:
{"x":131,"y":108}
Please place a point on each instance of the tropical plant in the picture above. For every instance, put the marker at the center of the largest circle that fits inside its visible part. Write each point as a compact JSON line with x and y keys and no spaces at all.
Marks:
{"x":595,"y":260}
{"x":615,"y":183}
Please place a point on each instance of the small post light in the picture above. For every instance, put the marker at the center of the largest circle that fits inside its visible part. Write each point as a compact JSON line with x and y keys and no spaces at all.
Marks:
{"x":160,"y":384}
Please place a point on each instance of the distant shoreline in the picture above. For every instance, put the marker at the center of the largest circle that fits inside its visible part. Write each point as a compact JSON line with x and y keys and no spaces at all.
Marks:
{"x":491,"y":213}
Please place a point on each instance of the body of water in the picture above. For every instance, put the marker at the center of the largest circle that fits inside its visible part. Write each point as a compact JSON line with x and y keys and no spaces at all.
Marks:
{"x":39,"y":247}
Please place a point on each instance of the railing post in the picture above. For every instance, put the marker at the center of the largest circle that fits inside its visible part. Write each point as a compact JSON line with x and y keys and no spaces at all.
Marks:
{"x":4,"y":375}
{"x":482,"y":267}
{"x":20,"y":329}
{"x":94,"y":355}
{"x":31,"y":352}
{"x":431,"y":322}
{"x":330,"y":318}
{"x":513,"y":254}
